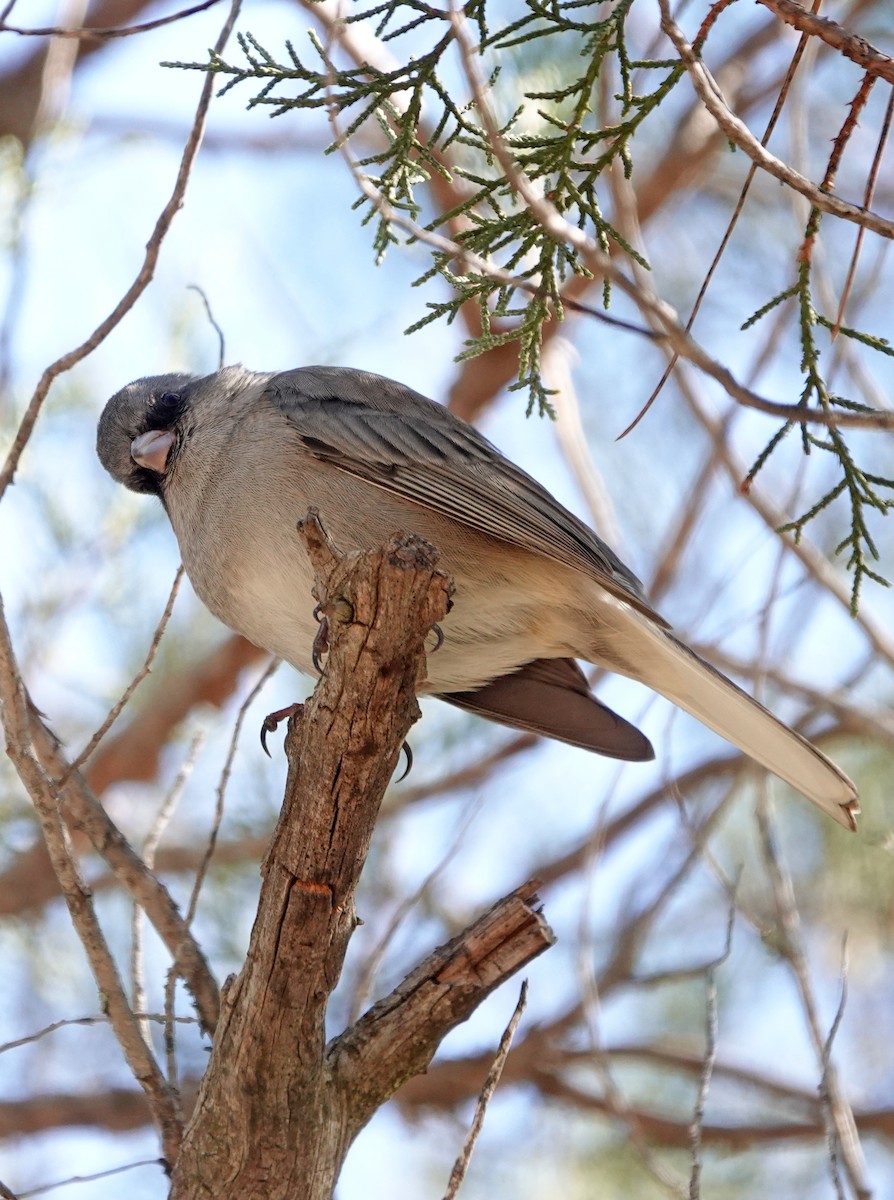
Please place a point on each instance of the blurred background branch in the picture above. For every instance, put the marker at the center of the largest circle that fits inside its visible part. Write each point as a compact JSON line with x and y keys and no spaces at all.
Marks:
{"x":639,"y":865}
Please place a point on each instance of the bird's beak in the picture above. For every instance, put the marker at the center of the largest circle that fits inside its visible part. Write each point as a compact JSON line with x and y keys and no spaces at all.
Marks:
{"x":151,"y":449}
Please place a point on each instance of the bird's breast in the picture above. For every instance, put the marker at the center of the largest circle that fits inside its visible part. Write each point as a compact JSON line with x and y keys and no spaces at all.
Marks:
{"x":249,"y":567}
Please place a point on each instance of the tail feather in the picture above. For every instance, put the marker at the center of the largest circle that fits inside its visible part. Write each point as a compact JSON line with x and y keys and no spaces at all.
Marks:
{"x":694,"y":685}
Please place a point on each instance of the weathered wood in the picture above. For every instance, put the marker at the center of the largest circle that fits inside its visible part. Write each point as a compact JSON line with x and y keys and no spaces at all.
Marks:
{"x":276,"y":1112}
{"x":399,"y":1035}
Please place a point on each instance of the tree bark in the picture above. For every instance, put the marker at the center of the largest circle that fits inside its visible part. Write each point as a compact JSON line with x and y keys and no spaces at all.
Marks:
{"x":277,"y":1111}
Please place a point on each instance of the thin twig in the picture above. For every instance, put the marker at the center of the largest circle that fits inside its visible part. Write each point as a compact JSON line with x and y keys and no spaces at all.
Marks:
{"x":827,"y":1065}
{"x":461,"y":1166}
{"x":49,"y":1187}
{"x":98,"y":1019}
{"x":194,"y":287}
{"x":220,"y":793}
{"x":837,"y":1113}
{"x":174,"y":971}
{"x":373,"y":960}
{"x":698,"y":1116}
{"x":143,"y":277}
{"x":868,"y":193}
{"x":738,"y":132}
{"x":150,"y":845}
{"x":87,"y":34}
{"x":590,"y":1008}
{"x":117,"y":708}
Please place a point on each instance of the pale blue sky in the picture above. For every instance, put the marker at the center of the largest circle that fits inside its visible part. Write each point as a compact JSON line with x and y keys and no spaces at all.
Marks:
{"x":290,"y":274}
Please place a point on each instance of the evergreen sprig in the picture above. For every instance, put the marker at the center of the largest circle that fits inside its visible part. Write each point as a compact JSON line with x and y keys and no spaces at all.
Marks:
{"x":555,"y":135}
{"x":863,"y":491}
{"x":564,"y":142}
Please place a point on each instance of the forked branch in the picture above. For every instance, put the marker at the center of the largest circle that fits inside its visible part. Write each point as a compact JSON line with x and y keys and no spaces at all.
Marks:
{"x":276,"y":1112}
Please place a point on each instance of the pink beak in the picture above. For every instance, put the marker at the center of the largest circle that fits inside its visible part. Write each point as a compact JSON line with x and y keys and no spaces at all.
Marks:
{"x":151,"y":449}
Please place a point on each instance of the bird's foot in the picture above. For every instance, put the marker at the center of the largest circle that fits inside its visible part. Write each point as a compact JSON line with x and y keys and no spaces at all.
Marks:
{"x":408,"y":768}
{"x":321,"y":640}
{"x":272,"y":721}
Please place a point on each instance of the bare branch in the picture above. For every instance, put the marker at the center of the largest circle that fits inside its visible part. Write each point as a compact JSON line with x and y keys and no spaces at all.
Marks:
{"x":837,"y":1112}
{"x":138,"y":678}
{"x":89,"y":33}
{"x":851,"y":45}
{"x":736,"y":130}
{"x":150,"y":846}
{"x":698,"y":1120}
{"x":461,"y":1166}
{"x":398,"y":1036}
{"x":220,"y":792}
{"x":60,"y":1183}
{"x":140,"y":283}
{"x":342,"y":750}
{"x":17,"y":721}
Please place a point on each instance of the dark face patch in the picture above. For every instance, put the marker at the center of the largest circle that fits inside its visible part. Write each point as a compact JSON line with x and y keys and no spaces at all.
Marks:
{"x":156,"y":403}
{"x":164,"y":411}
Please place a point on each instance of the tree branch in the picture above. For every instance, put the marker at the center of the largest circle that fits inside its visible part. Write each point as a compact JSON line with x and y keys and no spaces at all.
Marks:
{"x":28,"y":882}
{"x":40,"y":763}
{"x":140,"y":283}
{"x":16,"y":711}
{"x":399,"y":1035}
{"x":738,"y":132}
{"x":274,"y":1117}
{"x":851,"y":45}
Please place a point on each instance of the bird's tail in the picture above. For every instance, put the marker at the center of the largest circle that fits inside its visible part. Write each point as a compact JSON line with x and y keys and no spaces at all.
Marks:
{"x":694,"y":685}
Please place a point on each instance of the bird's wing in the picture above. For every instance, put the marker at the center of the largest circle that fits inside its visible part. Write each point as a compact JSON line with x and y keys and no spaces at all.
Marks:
{"x":396,"y":439}
{"x":551,"y":697}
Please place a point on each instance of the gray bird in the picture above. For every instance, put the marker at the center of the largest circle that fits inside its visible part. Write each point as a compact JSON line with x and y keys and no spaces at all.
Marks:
{"x":238,"y":457}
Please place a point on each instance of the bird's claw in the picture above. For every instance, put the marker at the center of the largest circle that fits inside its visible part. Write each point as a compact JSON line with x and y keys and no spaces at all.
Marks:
{"x":321,"y":641}
{"x":439,"y":638}
{"x":320,"y":647}
{"x":408,"y":768}
{"x":272,"y":721}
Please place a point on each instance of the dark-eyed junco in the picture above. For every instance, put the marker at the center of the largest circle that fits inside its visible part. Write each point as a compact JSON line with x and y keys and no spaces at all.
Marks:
{"x":238,"y":457}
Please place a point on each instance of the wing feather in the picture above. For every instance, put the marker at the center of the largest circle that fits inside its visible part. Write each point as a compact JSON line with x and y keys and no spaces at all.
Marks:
{"x":551,"y":697}
{"x":394,"y":438}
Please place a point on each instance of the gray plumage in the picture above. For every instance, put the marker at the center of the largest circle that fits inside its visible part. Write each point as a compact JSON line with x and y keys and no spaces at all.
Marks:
{"x":238,"y":457}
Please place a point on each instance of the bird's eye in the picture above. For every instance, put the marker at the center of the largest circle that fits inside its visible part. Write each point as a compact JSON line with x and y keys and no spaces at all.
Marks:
{"x":163,"y":411}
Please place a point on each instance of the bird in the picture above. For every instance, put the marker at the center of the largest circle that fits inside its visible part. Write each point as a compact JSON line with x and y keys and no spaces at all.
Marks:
{"x":238,"y":457}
